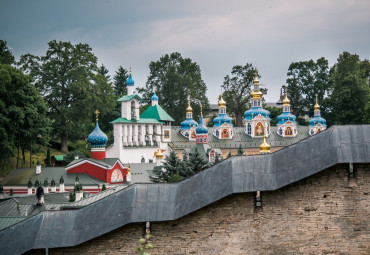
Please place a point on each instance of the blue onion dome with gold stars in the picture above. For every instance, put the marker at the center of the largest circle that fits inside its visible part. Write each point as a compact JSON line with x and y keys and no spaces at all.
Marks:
{"x":317,"y":119}
{"x":97,"y":138}
{"x":130,"y":81}
{"x":256,"y":102}
{"x":222,"y":117}
{"x":286,"y":115}
{"x":189,"y":122}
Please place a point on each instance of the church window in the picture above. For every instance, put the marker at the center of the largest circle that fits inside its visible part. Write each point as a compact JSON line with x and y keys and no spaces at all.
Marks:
{"x":217,"y":132}
{"x":249,"y":128}
{"x":280,"y":131}
{"x":116,"y":176}
{"x":200,"y":139}
{"x":205,"y":139}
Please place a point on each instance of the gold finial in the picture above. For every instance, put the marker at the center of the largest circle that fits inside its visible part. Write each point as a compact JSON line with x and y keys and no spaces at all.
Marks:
{"x":265,"y":147}
{"x":130,"y":69}
{"x":256,"y":81}
{"x":96,"y":114}
{"x":286,"y":101}
{"x":128,"y":170}
{"x":201,"y":109}
{"x":317,"y":106}
{"x":189,"y":109}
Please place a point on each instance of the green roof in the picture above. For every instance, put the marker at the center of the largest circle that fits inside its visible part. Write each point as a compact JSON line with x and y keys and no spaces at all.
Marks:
{"x":156,"y":112}
{"x":140,"y":121}
{"x":59,"y":157}
{"x":129,"y":98}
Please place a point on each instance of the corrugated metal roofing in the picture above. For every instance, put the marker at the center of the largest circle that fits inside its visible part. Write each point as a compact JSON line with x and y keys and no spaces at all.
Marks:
{"x":20,"y":177}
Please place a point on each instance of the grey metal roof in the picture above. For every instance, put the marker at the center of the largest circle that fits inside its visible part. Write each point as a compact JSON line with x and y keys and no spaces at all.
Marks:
{"x":240,"y":138}
{"x":20,"y":177}
{"x":107,"y":162}
{"x":163,"y":202}
{"x":139,"y":172}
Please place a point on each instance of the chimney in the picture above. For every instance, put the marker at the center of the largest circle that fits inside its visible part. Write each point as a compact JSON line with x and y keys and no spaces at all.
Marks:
{"x":61,"y":185}
{"x":76,"y":156}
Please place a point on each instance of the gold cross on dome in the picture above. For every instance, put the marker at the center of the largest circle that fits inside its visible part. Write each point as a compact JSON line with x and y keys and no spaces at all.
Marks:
{"x":97,"y":114}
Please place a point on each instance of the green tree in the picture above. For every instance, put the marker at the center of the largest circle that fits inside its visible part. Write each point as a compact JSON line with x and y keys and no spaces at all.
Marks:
{"x":350,"y":95}
{"x":104,"y":187}
{"x":6,"y":57}
{"x":237,"y":88}
{"x":305,"y":80}
{"x":174,"y":78}
{"x":71,"y":156}
{"x":23,"y":118}
{"x":170,"y":168}
{"x":274,"y":113}
{"x":119,"y":82}
{"x":240,"y":150}
{"x":68,"y":78}
{"x":185,"y":167}
{"x":198,"y":162}
{"x":48,"y":158}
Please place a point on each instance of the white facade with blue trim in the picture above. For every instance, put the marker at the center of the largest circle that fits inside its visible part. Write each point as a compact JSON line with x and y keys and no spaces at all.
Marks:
{"x":223,"y":123}
{"x":188,"y":126}
{"x":257,"y":119}
{"x":317,"y":123}
{"x":287,"y":124}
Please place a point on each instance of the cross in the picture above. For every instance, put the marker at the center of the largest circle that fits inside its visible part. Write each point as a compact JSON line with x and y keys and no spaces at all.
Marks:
{"x":96,"y":114}
{"x":154,"y":88}
{"x":201,"y":109}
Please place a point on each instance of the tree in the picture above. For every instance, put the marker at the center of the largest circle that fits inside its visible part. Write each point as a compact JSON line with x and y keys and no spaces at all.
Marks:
{"x":350,"y":95}
{"x":23,"y":118}
{"x":174,"y":78}
{"x":104,"y":187}
{"x":185,"y":167}
{"x":240,"y":150}
{"x":237,"y":88}
{"x":48,"y":158}
{"x":119,"y":82}
{"x":6,"y":57}
{"x":71,"y":156}
{"x":198,"y":162}
{"x":170,"y":168}
{"x":274,"y":113}
{"x":68,"y":78}
{"x":305,"y":80}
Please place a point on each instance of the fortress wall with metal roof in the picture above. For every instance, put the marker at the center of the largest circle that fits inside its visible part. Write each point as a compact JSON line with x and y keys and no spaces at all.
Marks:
{"x":163,"y":202}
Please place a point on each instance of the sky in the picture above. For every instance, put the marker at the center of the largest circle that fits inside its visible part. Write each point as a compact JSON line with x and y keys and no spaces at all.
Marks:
{"x":217,"y":35}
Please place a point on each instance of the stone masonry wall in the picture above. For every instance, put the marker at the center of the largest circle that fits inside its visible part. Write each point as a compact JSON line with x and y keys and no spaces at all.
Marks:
{"x":319,"y":215}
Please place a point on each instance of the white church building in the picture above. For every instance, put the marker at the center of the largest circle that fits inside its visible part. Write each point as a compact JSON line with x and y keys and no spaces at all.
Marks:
{"x":139,"y":136}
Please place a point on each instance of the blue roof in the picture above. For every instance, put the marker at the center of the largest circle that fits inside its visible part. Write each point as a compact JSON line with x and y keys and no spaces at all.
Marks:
{"x":188,"y":123}
{"x":201,"y":129}
{"x":252,"y":113}
{"x":97,"y":138}
{"x":154,"y":97}
{"x":221,"y":119}
{"x":286,"y":116}
{"x":130,"y":81}
{"x":316,"y":120}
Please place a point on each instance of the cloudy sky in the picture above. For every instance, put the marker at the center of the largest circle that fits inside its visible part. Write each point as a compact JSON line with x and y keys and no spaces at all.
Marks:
{"x":217,"y":35}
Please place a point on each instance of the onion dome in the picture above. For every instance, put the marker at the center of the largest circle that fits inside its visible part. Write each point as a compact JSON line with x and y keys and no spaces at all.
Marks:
{"x":222,"y":102}
{"x":154,"y":97}
{"x":252,"y":113}
{"x":159,"y":154}
{"x":130,"y":81}
{"x":201,"y":129}
{"x":97,"y":138}
{"x":286,"y":101}
{"x":317,"y":119}
{"x":221,"y":119}
{"x":188,"y":123}
{"x":189,"y":109}
{"x":265,"y":147}
{"x":256,"y":94}
{"x":286,"y":116}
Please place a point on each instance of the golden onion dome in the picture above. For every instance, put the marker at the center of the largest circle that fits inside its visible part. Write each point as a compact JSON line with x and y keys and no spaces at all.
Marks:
{"x":317,"y":106}
{"x":265,"y":147}
{"x":286,"y":101}
{"x":159,"y":154}
{"x":256,"y":94}
{"x":189,"y":109}
{"x":222,"y":102}
{"x":256,"y":81}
